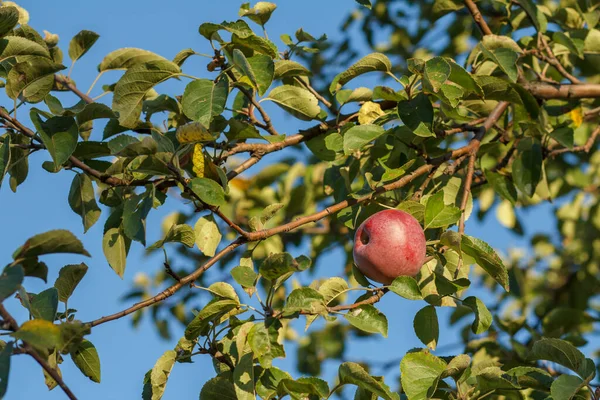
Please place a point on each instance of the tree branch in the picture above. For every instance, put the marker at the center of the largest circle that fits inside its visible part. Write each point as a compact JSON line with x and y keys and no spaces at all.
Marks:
{"x":552,"y":60}
{"x":472,"y":7}
{"x":585,"y":148}
{"x":371,"y":300}
{"x":474,"y":147}
{"x":170,"y":291}
{"x":14,"y":326}
{"x":266,"y":233}
{"x":68,"y":83}
{"x":549,"y":91}
{"x":250,"y":96}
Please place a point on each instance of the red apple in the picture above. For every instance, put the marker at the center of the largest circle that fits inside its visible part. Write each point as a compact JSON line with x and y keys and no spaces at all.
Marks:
{"x":389,"y":244}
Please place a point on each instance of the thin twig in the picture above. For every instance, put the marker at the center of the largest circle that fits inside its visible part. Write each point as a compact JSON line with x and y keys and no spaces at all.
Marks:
{"x":250,"y":96}
{"x":472,"y":7}
{"x":71,"y":86}
{"x":14,"y":326}
{"x":584,"y":148}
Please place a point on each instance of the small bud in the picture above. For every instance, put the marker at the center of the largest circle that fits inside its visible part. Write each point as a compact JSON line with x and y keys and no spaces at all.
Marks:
{"x":51,"y":39}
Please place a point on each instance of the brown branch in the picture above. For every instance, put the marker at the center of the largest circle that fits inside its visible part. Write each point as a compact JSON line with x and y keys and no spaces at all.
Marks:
{"x":474,"y":147}
{"x":552,"y":60}
{"x":584,"y":148}
{"x":548,"y":91}
{"x":68,"y":83}
{"x":250,"y":96}
{"x":371,"y":300}
{"x":466,"y":192}
{"x":472,"y":7}
{"x":171,"y":290}
{"x":14,"y":326}
{"x":263,"y":234}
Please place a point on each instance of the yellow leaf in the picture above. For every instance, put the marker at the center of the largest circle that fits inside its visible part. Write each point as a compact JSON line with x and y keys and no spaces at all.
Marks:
{"x":194,"y":132}
{"x":369,"y":112}
{"x":576,"y":116}
{"x":198,"y":161}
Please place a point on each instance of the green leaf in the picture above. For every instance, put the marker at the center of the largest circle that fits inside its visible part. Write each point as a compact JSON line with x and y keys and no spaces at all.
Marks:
{"x":561,"y":38}
{"x":483,"y":317}
{"x":368,"y":318}
{"x":437,"y":72}
{"x":305,"y":300}
{"x":5,"y":355}
{"x":115,"y":246}
{"x":45,"y":304}
{"x":94,"y":111}
{"x":295,"y":100}
{"x":178,"y":233}
{"x":224,"y":290}
{"x":417,"y":115}
{"x":565,"y":387}
{"x":87,"y":360}
{"x":10,"y":281}
{"x":486,"y":258}
{"x":4,"y":155}
{"x":350,"y":373}
{"x":39,"y":333}
{"x":503,"y":51}
{"x":81,"y":43}
{"x":332,"y":288}
{"x":369,"y":63}
{"x":51,"y":242}
{"x":426,"y":326}
{"x":159,"y":375}
{"x":212,"y":311}
{"x":260,"y":13}
{"x":135,"y":211}
{"x":263,"y":72}
{"x":126,"y":58}
{"x":414,"y":208}
{"x":278,"y":265}
{"x":245,"y":276}
{"x":68,"y":279}
{"x":260,"y":343}
{"x":204,"y":99}
{"x":463,"y":78}
{"x":456,"y":366}
{"x":326,"y":147}
{"x":527,"y":167}
{"x":209,"y":191}
{"x":207,"y":235}
{"x":288,"y":68}
{"x":131,"y":89}
{"x":438,"y":214}
{"x":419,"y":372}
{"x":243,"y":377}
{"x":358,"y":136}
{"x":532,"y":11}
{"x":257,"y":223}
{"x":365,"y":3}
{"x":32,"y":80}
{"x":59,"y":135}
{"x":407,"y":287}
{"x":9,"y":18}
{"x":83,"y":201}
{"x":564,"y":136}
{"x":560,"y":352}
{"x":239,"y":28}
{"x":218,"y":389}
{"x":502,"y":185}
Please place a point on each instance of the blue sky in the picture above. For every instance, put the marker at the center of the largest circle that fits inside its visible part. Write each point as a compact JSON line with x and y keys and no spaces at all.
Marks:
{"x":41,"y":203}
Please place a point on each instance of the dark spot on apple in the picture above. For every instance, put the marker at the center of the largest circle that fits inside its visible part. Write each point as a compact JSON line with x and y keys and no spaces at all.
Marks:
{"x":364,"y":237}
